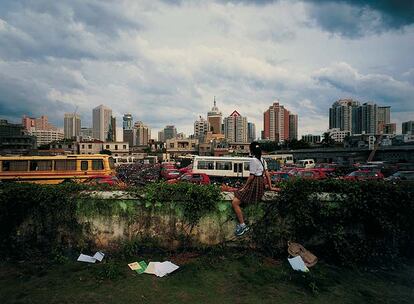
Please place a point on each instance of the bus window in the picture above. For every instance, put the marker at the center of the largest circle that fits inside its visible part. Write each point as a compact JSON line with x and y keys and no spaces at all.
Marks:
{"x":15,"y":165}
{"x":84,"y":165}
{"x":246,"y":166}
{"x":40,"y":165}
{"x":209,"y":165}
{"x":97,"y":164}
{"x":65,"y":164}
{"x":238,"y":168}
{"x":223,"y":165}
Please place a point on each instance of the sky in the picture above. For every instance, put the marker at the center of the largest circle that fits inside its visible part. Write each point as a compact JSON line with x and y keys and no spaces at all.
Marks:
{"x":164,"y":61}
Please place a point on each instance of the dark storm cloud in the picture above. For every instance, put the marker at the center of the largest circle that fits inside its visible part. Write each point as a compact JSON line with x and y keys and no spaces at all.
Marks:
{"x":67,"y":29}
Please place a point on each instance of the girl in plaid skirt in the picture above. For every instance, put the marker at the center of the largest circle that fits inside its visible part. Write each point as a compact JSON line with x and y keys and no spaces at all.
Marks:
{"x":253,"y":190}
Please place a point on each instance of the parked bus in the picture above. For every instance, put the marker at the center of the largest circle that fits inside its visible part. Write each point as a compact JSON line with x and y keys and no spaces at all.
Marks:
{"x":55,"y":169}
{"x":222,"y":166}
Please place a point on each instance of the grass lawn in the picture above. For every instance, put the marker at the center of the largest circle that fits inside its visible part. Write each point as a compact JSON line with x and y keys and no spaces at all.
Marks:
{"x":209,"y":278}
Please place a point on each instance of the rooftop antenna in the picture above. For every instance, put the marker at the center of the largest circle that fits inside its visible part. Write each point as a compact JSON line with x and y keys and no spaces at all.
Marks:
{"x":214,"y":100}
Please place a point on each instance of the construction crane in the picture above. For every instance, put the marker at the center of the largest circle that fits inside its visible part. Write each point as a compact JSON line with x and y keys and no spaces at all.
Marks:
{"x":376,"y":146}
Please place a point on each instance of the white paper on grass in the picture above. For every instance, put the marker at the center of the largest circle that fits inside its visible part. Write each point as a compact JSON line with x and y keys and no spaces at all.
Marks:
{"x":160,"y":269}
{"x":298,"y":264}
{"x":86,"y":258}
{"x":99,"y":256}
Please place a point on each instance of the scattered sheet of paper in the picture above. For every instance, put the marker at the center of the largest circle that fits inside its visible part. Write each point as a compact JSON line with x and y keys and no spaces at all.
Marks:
{"x":151,"y":267}
{"x":298,"y":264}
{"x":86,"y":258}
{"x":99,"y":256}
{"x":142,"y":268}
{"x":160,"y":269}
{"x":134,"y":266}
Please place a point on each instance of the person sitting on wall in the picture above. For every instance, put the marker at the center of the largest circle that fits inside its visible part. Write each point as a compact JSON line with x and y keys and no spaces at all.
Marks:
{"x":253,"y":190}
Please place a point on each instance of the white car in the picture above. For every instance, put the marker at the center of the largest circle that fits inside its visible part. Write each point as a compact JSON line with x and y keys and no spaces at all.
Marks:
{"x":306,"y":163}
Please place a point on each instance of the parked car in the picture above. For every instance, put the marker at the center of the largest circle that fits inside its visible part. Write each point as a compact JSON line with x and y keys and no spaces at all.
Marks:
{"x":104,"y":180}
{"x":401,"y":176}
{"x":170,"y":173}
{"x":364,"y":175}
{"x":279,"y":176}
{"x":186,"y":169}
{"x":311,"y":174}
{"x":306,"y":163}
{"x":194,"y":178}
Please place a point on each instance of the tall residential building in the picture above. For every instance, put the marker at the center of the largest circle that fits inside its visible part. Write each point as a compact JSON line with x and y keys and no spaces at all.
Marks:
{"x":293,"y":126}
{"x":251,"y":132}
{"x":161,"y":136}
{"x":384,"y":119}
{"x":235,"y":128}
{"x":40,"y":123}
{"x":170,"y":132}
{"x":408,"y":127}
{"x":201,"y":127}
{"x":112,"y":130}
{"x":214,"y":118}
{"x":101,"y":120}
{"x":277,"y":122}
{"x":369,"y":118}
{"x":127,"y":121}
{"x":71,"y":125}
{"x":342,"y":115}
{"x":143,"y":134}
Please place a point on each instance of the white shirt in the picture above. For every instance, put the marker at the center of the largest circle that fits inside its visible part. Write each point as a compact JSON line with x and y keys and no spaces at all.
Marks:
{"x":256,"y":166}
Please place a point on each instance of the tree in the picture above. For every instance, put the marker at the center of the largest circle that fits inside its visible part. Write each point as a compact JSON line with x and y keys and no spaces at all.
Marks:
{"x":327,"y":140}
{"x":105,"y":151}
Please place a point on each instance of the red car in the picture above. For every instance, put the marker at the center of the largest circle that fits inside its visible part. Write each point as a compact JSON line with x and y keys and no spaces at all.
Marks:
{"x":170,"y":173}
{"x":364,"y":175}
{"x":187,"y":169}
{"x":311,"y":174}
{"x":279,"y":176}
{"x":194,"y":178}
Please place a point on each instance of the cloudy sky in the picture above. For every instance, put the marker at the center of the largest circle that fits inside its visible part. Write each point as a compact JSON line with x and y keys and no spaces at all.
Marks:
{"x":164,"y":61}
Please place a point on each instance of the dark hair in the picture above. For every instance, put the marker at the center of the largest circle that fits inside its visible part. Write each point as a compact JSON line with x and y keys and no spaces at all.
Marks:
{"x":256,"y":150}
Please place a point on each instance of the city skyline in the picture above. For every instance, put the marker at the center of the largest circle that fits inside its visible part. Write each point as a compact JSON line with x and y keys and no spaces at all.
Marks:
{"x":60,"y":56}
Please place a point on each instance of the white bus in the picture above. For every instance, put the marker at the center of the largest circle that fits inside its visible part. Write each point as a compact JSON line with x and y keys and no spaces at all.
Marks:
{"x":222,"y":166}
{"x":281,"y":158}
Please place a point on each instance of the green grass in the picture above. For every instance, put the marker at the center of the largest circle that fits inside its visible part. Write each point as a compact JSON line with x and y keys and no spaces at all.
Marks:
{"x":209,"y":278}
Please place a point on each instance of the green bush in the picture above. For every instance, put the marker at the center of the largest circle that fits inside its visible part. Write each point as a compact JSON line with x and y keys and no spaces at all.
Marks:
{"x":346,"y":222}
{"x":37,"y":218}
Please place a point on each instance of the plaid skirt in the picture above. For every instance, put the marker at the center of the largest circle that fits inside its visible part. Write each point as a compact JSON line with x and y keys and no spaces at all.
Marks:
{"x":253,"y":192}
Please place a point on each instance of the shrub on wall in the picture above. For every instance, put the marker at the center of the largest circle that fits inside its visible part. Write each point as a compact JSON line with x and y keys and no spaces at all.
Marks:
{"x":349,"y":222}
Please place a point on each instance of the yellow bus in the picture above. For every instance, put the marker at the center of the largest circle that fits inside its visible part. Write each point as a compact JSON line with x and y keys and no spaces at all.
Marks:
{"x":55,"y":169}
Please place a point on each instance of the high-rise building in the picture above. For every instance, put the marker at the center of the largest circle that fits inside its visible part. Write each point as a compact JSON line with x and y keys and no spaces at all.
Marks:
{"x":389,"y":128}
{"x":384,"y":118}
{"x":142,"y":134}
{"x":127,"y":121}
{"x":293,"y":126}
{"x":40,"y":123}
{"x":161,"y":136}
{"x":251,"y":132}
{"x":342,"y":115}
{"x":369,"y":118}
{"x":214,"y":118}
{"x":101,"y":120}
{"x":170,"y":132}
{"x":235,"y":128}
{"x":408,"y":127}
{"x":277,"y":121}
{"x":201,"y":127}
{"x":71,"y":125}
{"x":112,"y":130}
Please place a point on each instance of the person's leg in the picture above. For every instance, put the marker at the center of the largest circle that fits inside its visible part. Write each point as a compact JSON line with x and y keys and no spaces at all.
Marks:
{"x":236,"y":207}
